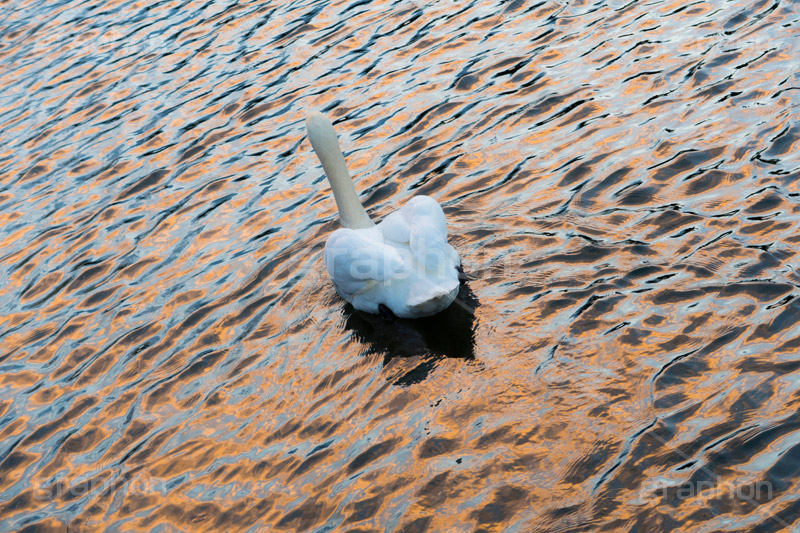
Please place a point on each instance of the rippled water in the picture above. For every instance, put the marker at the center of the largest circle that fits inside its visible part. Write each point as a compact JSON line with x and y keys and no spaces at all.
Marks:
{"x":621,"y":181}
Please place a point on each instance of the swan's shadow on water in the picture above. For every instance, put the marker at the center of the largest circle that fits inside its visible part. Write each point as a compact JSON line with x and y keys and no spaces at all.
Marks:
{"x":450,"y":333}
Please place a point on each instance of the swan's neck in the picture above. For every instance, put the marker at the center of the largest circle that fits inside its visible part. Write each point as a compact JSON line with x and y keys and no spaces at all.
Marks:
{"x":326,"y":146}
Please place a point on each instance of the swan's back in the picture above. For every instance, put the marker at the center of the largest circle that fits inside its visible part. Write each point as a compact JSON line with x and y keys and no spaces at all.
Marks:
{"x":404,"y":263}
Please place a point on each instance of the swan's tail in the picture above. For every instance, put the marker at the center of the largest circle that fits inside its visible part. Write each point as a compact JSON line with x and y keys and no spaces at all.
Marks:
{"x":432,"y":302}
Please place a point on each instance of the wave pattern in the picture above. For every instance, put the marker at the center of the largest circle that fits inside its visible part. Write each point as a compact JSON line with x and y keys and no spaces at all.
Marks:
{"x":621,"y":180}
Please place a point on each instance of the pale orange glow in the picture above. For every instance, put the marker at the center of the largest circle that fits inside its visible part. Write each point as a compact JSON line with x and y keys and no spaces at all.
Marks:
{"x":620,"y":181}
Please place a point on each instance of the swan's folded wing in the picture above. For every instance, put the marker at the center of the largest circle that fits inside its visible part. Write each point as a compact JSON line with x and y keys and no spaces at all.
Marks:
{"x":395,"y":227}
{"x":424,"y":208}
{"x":428,"y":236}
{"x":356,"y":261}
{"x":429,"y":247}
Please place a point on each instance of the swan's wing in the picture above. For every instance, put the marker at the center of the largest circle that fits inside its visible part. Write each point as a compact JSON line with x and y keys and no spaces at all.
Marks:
{"x":355,"y":261}
{"x":429,"y":247}
{"x":395,"y":227}
{"x":428,"y":235}
{"x":425,"y":208}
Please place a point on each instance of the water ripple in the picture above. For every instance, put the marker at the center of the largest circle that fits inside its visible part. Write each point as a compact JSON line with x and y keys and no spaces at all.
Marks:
{"x":621,"y":182}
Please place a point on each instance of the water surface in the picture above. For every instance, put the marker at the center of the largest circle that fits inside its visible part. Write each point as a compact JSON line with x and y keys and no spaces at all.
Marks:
{"x":621,"y":180}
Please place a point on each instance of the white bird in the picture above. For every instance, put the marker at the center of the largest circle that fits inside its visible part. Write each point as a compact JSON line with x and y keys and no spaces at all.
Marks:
{"x":404,"y":263}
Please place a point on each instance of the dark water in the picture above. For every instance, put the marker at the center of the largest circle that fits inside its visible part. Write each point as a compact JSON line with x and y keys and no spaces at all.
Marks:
{"x":621,"y":180}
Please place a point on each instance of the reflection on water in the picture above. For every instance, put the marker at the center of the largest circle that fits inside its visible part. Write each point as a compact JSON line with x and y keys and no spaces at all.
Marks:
{"x":621,"y":180}
{"x":448,"y":334}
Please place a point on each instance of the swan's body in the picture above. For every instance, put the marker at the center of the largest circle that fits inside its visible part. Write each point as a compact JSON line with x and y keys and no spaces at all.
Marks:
{"x":403,"y":263}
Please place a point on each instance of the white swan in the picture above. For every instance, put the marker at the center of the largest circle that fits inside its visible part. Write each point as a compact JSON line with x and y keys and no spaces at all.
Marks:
{"x":404,"y":263}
